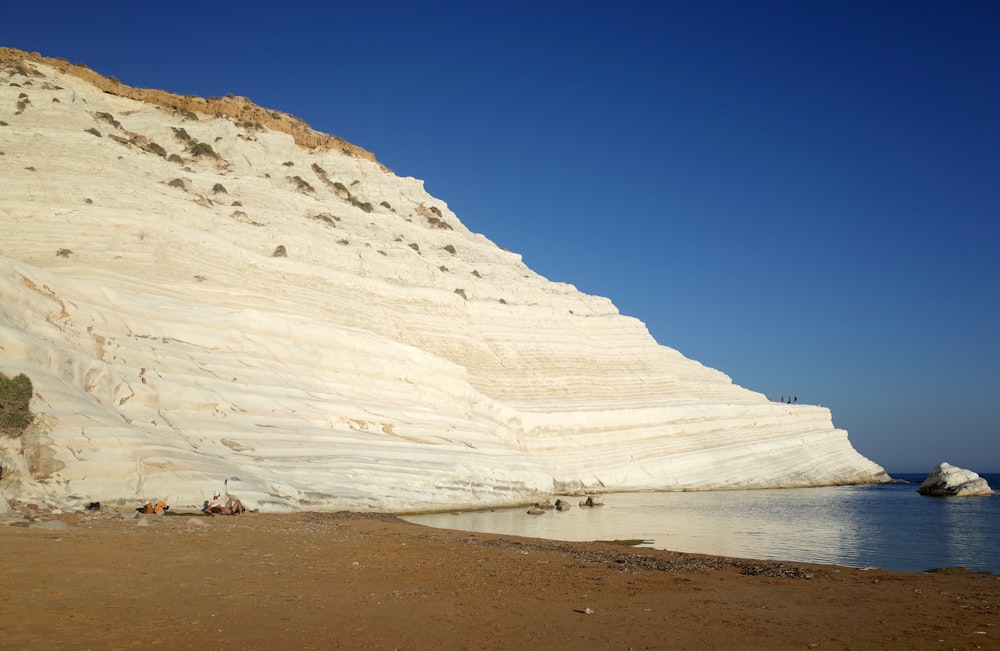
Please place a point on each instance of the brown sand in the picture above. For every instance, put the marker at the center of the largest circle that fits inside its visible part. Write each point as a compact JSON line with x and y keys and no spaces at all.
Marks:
{"x":320,"y":581}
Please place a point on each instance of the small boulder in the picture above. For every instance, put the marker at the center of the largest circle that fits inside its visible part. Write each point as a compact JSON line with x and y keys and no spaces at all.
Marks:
{"x":947,"y":480}
{"x":563,"y":505}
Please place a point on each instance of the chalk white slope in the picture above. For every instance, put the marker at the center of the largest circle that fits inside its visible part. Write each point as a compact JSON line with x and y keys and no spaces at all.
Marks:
{"x":390,"y":360}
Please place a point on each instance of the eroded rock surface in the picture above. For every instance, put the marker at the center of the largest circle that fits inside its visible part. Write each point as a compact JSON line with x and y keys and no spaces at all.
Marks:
{"x":947,"y":480}
{"x":388,"y":358}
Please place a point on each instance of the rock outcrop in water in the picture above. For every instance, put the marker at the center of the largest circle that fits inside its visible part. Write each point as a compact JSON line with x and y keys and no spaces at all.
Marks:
{"x":200,"y":295}
{"x":947,"y":480}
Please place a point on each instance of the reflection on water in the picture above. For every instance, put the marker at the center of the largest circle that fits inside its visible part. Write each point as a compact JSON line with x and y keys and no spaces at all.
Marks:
{"x":887,"y":525}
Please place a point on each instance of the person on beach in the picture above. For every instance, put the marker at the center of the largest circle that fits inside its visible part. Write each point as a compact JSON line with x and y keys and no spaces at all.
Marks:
{"x":230,"y":507}
{"x":159,"y":507}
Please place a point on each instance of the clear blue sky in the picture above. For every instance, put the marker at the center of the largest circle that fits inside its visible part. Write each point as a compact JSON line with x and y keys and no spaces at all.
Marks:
{"x":804,"y":195}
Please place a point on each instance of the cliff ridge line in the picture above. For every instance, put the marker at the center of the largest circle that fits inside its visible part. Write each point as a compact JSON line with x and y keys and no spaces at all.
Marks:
{"x":236,"y":108}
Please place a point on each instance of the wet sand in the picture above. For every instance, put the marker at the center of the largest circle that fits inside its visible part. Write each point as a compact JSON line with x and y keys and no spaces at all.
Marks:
{"x":321,"y":581}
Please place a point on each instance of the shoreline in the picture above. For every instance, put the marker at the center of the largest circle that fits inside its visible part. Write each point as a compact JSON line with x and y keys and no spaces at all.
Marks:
{"x":373,"y":581}
{"x":814,"y":525}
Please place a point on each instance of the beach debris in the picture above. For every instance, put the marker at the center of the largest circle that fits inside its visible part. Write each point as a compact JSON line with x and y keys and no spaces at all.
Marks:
{"x":956,"y":569}
{"x":53,"y":525}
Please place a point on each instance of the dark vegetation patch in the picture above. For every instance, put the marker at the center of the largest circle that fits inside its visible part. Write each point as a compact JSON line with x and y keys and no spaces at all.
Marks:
{"x":15,"y":397}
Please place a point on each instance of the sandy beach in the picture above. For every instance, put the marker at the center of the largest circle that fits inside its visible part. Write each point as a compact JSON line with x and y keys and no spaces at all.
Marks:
{"x":320,"y":581}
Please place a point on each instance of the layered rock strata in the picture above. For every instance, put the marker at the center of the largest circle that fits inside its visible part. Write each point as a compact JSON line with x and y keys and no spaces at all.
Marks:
{"x":947,"y":480}
{"x":200,"y":298}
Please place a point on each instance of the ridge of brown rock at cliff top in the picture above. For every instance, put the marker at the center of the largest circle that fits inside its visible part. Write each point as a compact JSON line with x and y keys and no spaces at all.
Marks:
{"x":234,"y":107}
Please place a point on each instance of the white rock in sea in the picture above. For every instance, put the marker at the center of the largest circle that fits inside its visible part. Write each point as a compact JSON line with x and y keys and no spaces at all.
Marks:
{"x":947,"y":480}
{"x":205,"y":290}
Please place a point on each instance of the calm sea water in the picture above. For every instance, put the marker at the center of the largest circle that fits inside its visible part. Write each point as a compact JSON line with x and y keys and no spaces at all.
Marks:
{"x":890,"y":526}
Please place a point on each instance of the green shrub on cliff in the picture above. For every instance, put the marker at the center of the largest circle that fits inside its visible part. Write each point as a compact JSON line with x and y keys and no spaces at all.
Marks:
{"x":202,"y":149}
{"x":15,"y":394}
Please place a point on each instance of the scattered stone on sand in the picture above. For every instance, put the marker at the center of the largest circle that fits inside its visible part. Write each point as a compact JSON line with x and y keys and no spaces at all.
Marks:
{"x":371,"y":581}
{"x":52,"y":525}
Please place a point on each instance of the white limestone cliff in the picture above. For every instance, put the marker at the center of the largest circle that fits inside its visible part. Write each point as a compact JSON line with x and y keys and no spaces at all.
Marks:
{"x":946,"y":480}
{"x":199,"y":298}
